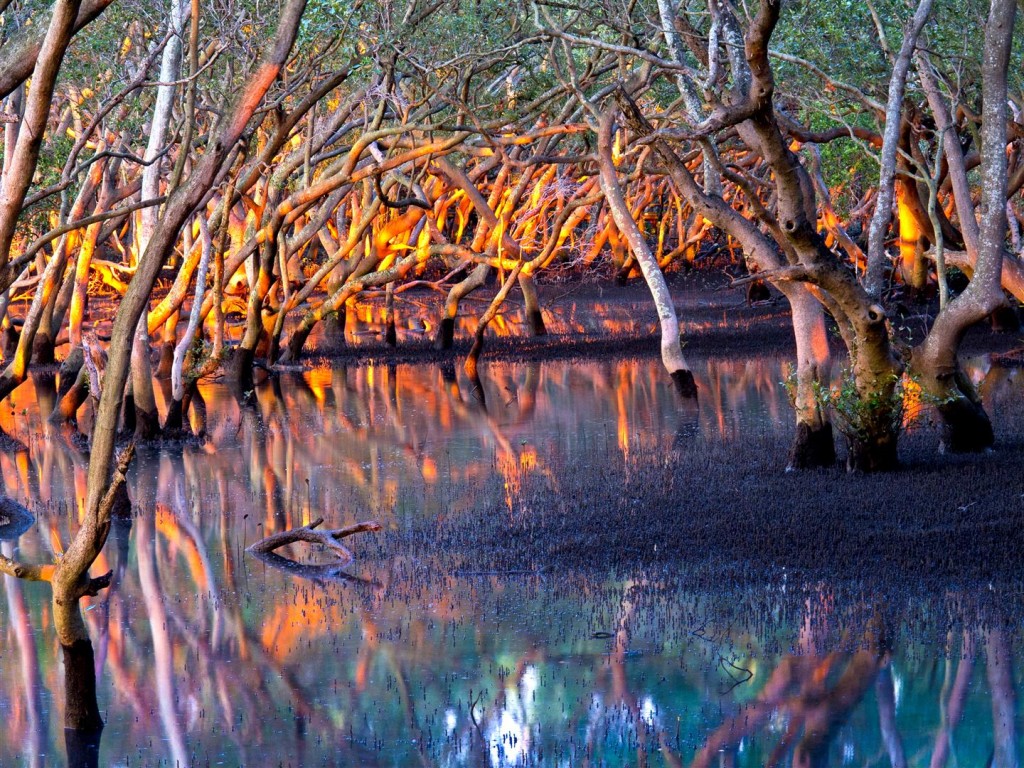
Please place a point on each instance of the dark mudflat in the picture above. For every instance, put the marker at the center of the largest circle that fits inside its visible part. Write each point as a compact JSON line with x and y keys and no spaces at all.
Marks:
{"x":727,"y":513}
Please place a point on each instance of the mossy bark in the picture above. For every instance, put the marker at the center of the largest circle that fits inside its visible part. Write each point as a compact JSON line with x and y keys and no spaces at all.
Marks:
{"x":966,"y":427}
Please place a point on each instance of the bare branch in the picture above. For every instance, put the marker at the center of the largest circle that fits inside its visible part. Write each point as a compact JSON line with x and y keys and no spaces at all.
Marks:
{"x":331,"y":539}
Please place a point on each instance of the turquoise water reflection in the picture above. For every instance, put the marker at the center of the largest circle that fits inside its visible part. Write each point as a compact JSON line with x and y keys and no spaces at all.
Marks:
{"x":209,"y":657}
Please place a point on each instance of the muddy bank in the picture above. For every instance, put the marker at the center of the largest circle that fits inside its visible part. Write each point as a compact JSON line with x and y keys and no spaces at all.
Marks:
{"x":586,"y":321}
{"x":715,"y":319}
{"x":726,"y":512}
{"x":722,"y":511}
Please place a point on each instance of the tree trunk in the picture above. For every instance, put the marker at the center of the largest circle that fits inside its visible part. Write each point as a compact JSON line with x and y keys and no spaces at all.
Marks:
{"x":44,"y":341}
{"x":178,"y":354}
{"x":239,"y":368}
{"x":671,"y":344}
{"x":69,"y":369}
{"x":333,"y":332}
{"x":485,"y":320}
{"x":872,"y":452}
{"x":167,"y":344}
{"x":890,"y":146}
{"x":81,"y":708}
{"x":170,"y":71}
{"x":814,"y":444}
{"x":83,"y":748}
{"x":73,"y":398}
{"x":174,"y":422}
{"x":293,"y":349}
{"x":446,"y":331}
{"x":531,"y":305}
{"x":966,"y":425}
{"x":147,"y":421}
{"x":390,"y":332}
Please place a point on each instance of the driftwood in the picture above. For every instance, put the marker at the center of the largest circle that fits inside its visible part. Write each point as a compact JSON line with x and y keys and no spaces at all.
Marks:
{"x":331,"y":539}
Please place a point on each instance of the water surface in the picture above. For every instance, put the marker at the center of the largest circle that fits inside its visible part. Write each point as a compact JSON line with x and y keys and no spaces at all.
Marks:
{"x":207,"y":656}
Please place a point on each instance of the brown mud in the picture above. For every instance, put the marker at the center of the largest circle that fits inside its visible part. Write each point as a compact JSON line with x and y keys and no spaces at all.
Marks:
{"x":713,"y":318}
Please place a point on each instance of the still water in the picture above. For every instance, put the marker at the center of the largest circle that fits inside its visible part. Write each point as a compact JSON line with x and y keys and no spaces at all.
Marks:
{"x":206,"y":656}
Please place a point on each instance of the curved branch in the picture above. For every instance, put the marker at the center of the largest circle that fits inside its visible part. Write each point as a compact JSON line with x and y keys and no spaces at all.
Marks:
{"x":307,"y":533}
{"x":404,"y":202}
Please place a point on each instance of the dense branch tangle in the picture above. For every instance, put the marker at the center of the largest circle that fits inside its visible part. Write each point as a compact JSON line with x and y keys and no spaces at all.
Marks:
{"x":356,"y":182}
{"x":342,"y":204}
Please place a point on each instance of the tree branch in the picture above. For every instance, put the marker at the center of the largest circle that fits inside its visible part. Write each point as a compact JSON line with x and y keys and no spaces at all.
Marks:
{"x":307,"y":533}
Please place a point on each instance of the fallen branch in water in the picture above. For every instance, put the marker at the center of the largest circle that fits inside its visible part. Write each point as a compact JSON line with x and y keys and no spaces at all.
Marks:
{"x":307,"y":533}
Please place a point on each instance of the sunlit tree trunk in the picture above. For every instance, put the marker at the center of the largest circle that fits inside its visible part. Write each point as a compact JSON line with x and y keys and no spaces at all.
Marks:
{"x":170,"y":71}
{"x":814,"y":444}
{"x":890,"y":145}
{"x":671,"y":342}
{"x":45,"y":336}
{"x":22,"y":166}
{"x":168,"y":341}
{"x":147,"y":420}
{"x":176,"y":413}
{"x":474,"y":280}
{"x":147,"y":424}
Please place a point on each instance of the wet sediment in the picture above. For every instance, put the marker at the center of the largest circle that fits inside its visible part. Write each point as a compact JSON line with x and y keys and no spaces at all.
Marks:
{"x":726,"y":512}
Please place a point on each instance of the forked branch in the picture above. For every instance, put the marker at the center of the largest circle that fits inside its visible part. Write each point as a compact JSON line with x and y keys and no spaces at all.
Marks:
{"x":331,"y":539}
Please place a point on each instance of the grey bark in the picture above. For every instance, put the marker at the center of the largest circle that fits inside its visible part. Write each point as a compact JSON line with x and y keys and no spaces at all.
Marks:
{"x":890,"y":144}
